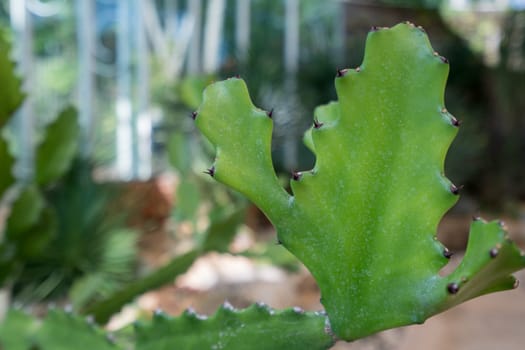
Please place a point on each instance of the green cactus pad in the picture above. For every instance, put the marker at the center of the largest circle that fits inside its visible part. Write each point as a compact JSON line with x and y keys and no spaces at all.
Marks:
{"x":11,"y":96}
{"x":257,"y":327}
{"x":57,"y":151}
{"x":364,"y":219}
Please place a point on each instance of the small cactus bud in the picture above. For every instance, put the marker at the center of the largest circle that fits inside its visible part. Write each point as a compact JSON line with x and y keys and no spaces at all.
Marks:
{"x":341,"y":73}
{"x":455,"y":189}
{"x":227,"y":306}
{"x":453,"y":288}
{"x":210,"y":171}
{"x":447,"y":253}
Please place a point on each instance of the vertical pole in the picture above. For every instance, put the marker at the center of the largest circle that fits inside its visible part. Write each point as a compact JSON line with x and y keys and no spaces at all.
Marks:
{"x":291,"y":65}
{"x":291,"y":38}
{"x":242,"y":29}
{"x":22,"y":26}
{"x":85,"y":98}
{"x":213,"y":35}
{"x":124,"y":106}
{"x":142,"y":121}
{"x":194,"y":56}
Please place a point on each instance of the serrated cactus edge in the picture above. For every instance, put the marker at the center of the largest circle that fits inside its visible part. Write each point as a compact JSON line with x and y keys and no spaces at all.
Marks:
{"x":364,"y":219}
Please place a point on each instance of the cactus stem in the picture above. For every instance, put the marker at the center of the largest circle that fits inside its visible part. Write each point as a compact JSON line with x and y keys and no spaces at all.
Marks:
{"x":453,"y":288}
{"x":455,"y":189}
{"x":296,"y":175}
{"x":270,"y":113}
{"x":341,"y":72}
{"x":193,"y":115}
{"x":317,"y":124}
{"x":493,"y":252}
{"x":447,"y":253}
{"x":210,"y":171}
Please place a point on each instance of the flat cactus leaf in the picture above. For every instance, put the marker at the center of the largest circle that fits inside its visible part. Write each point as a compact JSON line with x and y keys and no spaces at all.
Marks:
{"x":25,"y":211}
{"x":56,"y":153}
{"x":7,"y":161}
{"x":11,"y":96}
{"x":17,"y":330}
{"x":257,"y":327}
{"x":65,"y":331}
{"x":364,"y":219}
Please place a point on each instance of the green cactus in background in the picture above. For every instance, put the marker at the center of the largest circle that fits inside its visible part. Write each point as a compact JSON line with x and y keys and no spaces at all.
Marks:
{"x":364,"y":219}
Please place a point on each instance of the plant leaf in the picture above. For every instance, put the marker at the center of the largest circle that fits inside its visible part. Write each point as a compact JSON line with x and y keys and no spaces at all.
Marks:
{"x":57,"y":151}
{"x":10,"y":94}
{"x":17,"y":330}
{"x":25,"y":211}
{"x":7,"y":162}
{"x":364,"y":219}
{"x":65,"y":331}
{"x":257,"y":327}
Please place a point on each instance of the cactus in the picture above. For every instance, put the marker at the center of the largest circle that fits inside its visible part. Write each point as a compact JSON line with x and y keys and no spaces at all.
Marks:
{"x":364,"y":219}
{"x":256,"y":327}
{"x":58,"y":330}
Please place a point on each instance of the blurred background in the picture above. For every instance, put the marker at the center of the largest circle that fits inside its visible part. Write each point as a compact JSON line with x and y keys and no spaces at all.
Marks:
{"x":132,"y":211}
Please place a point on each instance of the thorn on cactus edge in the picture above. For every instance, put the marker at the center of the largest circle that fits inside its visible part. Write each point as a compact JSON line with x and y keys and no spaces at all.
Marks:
{"x":210,"y":171}
{"x":494,"y":252}
{"x":341,"y":72}
{"x":421,"y":29}
{"x":237,"y":76}
{"x":227,"y":306}
{"x":374,"y":28}
{"x":193,"y":115}
{"x":298,"y":310}
{"x":317,"y":124}
{"x":455,"y":189}
{"x":279,"y":242}
{"x":516,"y":284}
{"x":447,"y":253}
{"x":358,"y":69}
{"x":443,"y":59}
{"x":476,"y":218}
{"x":410,"y":23}
{"x":455,"y":122}
{"x":270,"y":113}
{"x":453,"y":288}
{"x":296,"y":175}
